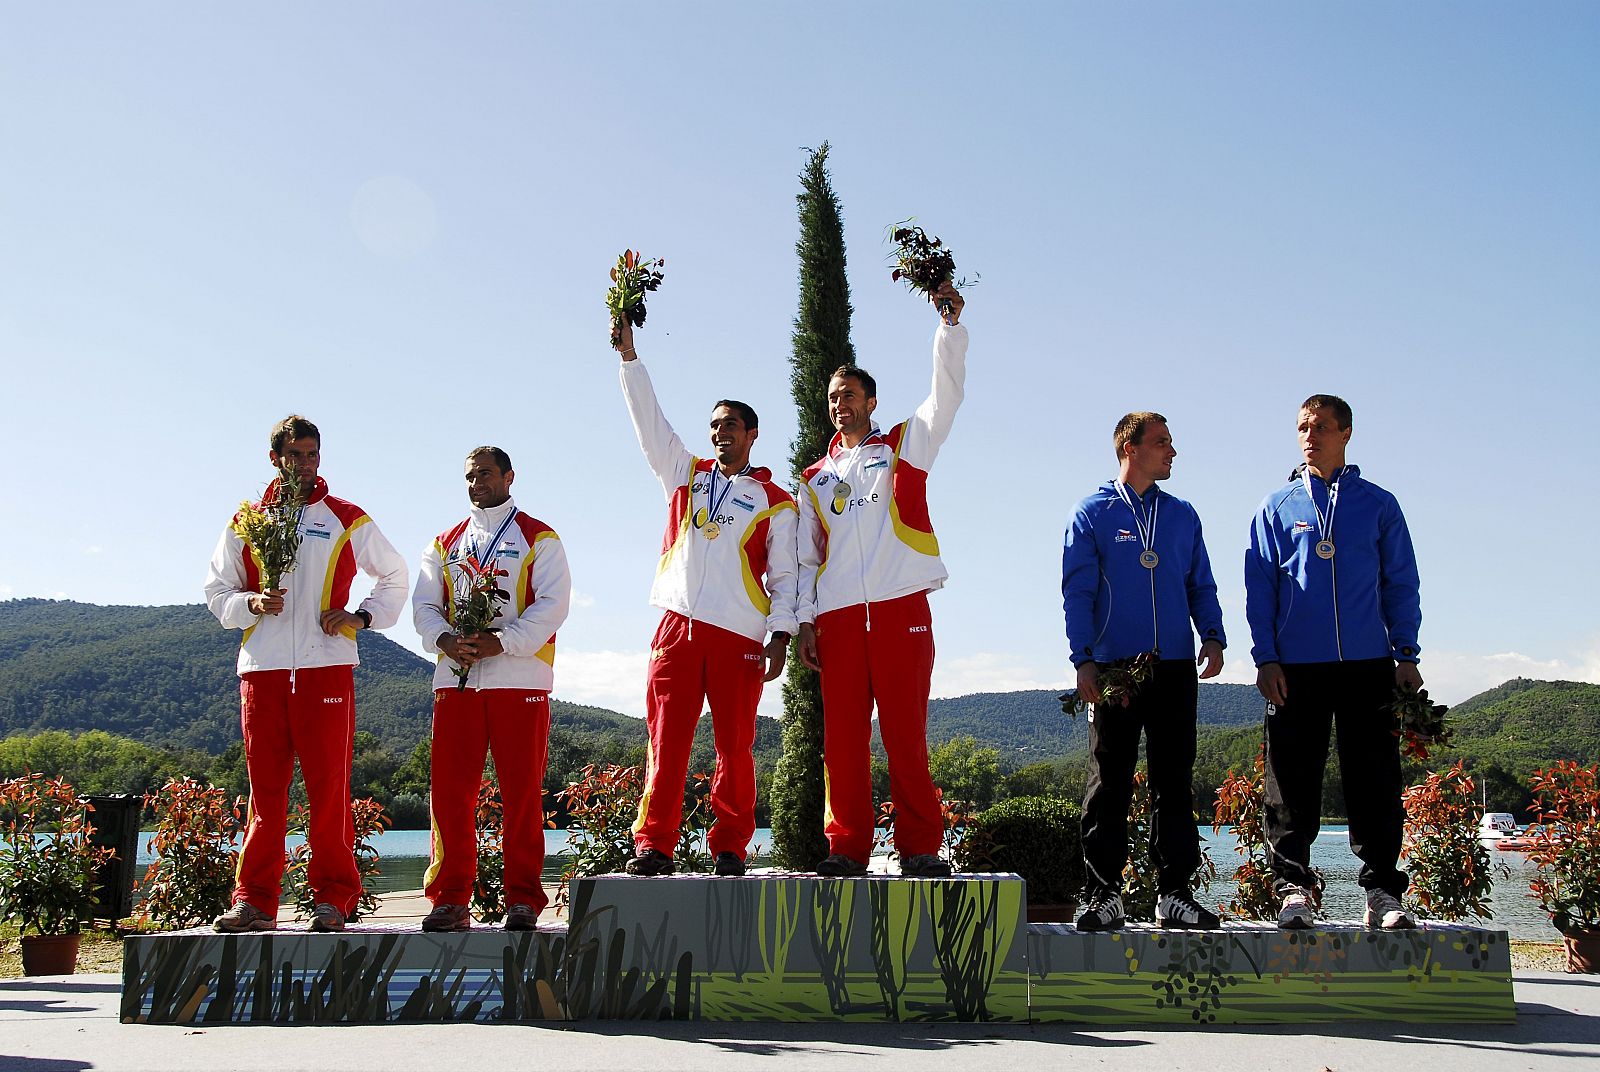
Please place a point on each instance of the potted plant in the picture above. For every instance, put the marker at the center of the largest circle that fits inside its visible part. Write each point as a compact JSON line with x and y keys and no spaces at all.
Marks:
{"x":47,"y":865}
{"x":1037,"y":838}
{"x":1566,"y":848}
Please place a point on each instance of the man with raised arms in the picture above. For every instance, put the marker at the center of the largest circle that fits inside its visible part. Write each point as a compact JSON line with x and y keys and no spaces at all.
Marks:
{"x":296,"y":683}
{"x":725,"y":584}
{"x":868,"y":559}
{"x":503,"y":705}
{"x":1134,"y":574}
{"x":1332,"y":596}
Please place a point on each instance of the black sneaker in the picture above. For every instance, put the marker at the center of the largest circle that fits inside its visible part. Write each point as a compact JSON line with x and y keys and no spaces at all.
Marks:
{"x":1102,"y":912}
{"x":837,"y":866}
{"x":924,"y":865}
{"x":651,"y":863}
{"x":728,"y":864}
{"x":1180,"y":911}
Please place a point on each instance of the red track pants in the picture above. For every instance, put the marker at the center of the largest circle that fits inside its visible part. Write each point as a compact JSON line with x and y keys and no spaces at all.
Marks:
{"x":311,"y":715}
{"x":467,"y":724}
{"x":691,"y":665}
{"x":888,"y":658}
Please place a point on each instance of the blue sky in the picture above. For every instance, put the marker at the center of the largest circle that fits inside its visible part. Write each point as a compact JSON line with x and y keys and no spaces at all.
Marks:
{"x":397,"y":219}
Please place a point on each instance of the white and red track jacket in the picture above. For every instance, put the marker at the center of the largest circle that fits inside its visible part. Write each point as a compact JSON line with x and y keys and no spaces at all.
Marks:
{"x":336,"y":539}
{"x":877,"y":542}
{"x":536,"y":578}
{"x":742,"y":581}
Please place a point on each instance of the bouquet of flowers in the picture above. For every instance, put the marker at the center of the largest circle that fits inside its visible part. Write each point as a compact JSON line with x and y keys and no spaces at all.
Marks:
{"x":1120,"y":682}
{"x":477,"y":599}
{"x":923,"y":263}
{"x":1419,"y":722}
{"x":631,"y":280}
{"x":272,"y":530}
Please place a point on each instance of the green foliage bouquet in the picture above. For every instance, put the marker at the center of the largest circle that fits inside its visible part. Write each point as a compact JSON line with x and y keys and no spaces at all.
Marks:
{"x":1419,"y":723}
{"x":631,"y":279}
{"x":272,"y":529}
{"x":1120,"y":681}
{"x":477,"y":601}
{"x":47,"y":861}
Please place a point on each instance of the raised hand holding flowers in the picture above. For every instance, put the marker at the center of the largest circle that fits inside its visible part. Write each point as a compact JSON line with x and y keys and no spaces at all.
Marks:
{"x":924,"y":264}
{"x":631,"y":279}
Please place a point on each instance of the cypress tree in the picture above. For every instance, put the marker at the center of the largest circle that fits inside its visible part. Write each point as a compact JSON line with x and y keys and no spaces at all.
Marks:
{"x":821,"y":344}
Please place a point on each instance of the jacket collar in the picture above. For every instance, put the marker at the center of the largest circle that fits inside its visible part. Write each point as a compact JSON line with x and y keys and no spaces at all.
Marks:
{"x":836,"y":444}
{"x":494,"y":516}
{"x":319,"y":491}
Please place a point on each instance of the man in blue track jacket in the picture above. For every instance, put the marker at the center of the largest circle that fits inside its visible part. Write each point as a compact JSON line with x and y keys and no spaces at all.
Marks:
{"x":1332,"y":598}
{"x":1134,"y":572}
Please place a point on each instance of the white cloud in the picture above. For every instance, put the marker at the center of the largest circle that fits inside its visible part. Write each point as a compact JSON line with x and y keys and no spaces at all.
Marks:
{"x":611,"y":679}
{"x":6,"y":591}
{"x":582,"y":599}
{"x":991,"y":672}
{"x":94,"y":549}
{"x":1453,"y":676}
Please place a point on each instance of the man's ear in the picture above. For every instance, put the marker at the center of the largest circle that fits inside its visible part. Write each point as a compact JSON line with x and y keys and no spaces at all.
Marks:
{"x":511,"y":475}
{"x":872,"y":404}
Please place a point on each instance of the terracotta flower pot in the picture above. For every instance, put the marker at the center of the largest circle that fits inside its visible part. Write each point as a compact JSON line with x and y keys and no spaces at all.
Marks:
{"x":1583,"y":952}
{"x":49,"y":954}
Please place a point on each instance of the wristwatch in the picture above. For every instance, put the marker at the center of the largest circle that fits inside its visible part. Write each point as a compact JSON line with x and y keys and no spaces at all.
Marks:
{"x":366,"y":619}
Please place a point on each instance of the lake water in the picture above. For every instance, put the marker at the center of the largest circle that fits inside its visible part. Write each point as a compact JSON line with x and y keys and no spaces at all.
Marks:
{"x":404,"y":858}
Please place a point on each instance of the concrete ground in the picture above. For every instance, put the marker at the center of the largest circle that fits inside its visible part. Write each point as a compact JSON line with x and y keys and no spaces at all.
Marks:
{"x":70,"y":1023}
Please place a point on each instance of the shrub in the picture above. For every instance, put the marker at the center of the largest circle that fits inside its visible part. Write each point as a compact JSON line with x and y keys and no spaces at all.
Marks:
{"x":195,"y":844}
{"x":1139,"y":887}
{"x":47,"y":861}
{"x":489,"y":887}
{"x":1567,"y":845}
{"x":369,"y":820}
{"x":1450,"y":869}
{"x":1241,"y":805}
{"x":602,"y":806}
{"x":1039,"y":838}
{"x":409,"y":811}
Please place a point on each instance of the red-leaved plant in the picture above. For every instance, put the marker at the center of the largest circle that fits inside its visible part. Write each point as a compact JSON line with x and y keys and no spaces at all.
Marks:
{"x":369,"y":820}
{"x":196,"y":848}
{"x":1566,"y":845}
{"x":1450,"y":870}
{"x":1241,"y":804}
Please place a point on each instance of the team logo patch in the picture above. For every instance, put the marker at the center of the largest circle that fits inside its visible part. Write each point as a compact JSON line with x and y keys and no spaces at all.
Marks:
{"x":1124,"y":536}
{"x":743,"y":505}
{"x":321,"y":534}
{"x":1302,"y":526}
{"x":879,"y":464}
{"x":823,"y":478}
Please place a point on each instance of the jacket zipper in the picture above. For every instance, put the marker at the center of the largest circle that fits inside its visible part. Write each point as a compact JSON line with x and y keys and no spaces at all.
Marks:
{"x":1338,"y":641}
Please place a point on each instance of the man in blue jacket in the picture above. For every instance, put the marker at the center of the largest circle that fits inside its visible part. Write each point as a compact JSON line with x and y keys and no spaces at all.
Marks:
{"x":1133,"y":574}
{"x":1332,"y":598}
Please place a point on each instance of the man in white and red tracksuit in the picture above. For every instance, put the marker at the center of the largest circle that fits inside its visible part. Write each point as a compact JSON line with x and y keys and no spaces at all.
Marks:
{"x":503,"y":704}
{"x":296,"y":684}
{"x":725,"y":584}
{"x":868,"y":558}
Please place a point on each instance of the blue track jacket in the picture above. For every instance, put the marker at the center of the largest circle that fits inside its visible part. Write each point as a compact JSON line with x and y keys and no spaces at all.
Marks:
{"x":1115,"y":607}
{"x":1363,"y":603}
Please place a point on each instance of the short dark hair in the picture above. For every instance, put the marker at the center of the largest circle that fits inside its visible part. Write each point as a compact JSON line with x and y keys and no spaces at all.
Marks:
{"x":501,"y":458}
{"x":293,"y":426}
{"x":862,"y":376}
{"x":746,"y":414}
{"x":1341,"y":408}
{"x":1130,"y":429}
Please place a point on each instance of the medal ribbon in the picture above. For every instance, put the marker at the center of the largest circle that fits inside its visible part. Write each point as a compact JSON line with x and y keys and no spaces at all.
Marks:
{"x":1147,"y":533}
{"x":1324,"y":521}
{"x":713,"y":500}
{"x":494,"y":544}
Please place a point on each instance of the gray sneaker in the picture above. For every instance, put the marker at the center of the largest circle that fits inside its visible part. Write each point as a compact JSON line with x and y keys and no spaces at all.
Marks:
{"x":1295,"y":912}
{"x":243,"y":917}
{"x":325,"y":919}
{"x":1385,"y":910}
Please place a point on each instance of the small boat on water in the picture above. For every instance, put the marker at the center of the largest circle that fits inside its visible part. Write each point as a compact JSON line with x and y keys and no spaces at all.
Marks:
{"x":1499,"y":828}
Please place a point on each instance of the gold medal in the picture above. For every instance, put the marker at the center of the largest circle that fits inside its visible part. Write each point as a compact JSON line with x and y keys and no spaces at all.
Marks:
{"x":1325,"y":549}
{"x":712,"y":530}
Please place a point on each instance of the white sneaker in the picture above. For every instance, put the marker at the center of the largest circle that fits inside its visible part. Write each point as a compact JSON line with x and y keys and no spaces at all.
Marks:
{"x":1295,"y":913}
{"x":1385,"y":910}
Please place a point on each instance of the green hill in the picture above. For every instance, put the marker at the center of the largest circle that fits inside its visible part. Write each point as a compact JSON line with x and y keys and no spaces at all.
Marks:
{"x":1028,"y":726}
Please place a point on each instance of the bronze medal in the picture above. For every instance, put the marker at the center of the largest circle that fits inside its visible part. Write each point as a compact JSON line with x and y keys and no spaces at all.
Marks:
{"x":1325,"y":549}
{"x":1149,"y":559}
